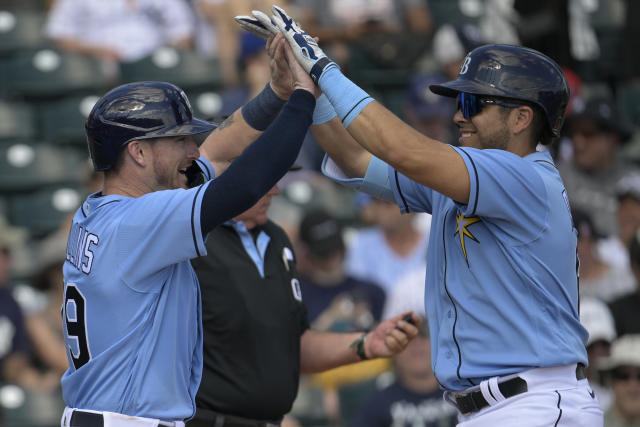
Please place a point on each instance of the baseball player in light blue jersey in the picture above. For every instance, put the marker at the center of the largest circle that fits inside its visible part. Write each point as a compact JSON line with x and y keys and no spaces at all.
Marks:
{"x":501,"y":289}
{"x":131,"y":311}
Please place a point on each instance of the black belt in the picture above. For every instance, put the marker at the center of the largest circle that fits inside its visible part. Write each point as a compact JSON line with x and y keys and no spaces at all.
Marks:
{"x":92,"y":419}
{"x":474,"y":401}
{"x":205,"y":417}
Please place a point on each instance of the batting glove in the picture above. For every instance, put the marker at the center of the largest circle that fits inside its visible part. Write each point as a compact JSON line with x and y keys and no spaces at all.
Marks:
{"x":258,"y":24}
{"x":304,"y":47}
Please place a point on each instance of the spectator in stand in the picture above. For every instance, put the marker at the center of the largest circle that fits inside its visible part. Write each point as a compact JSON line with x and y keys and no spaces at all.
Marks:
{"x":597,"y":133}
{"x":336,"y":302}
{"x":395,"y":244}
{"x":451,"y":45}
{"x":615,"y":249}
{"x":120,"y":30}
{"x":217,"y":36}
{"x":407,"y":293}
{"x":427,"y":112}
{"x":342,"y":24}
{"x":597,"y":278}
{"x":626,"y":309}
{"x":44,"y":325}
{"x":597,"y":319}
{"x":15,"y":348}
{"x":622,"y":369}
{"x":414,"y":397}
{"x":253,"y":61}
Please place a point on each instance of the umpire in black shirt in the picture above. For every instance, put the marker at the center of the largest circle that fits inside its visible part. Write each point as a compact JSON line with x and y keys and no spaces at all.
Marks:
{"x":256,"y":334}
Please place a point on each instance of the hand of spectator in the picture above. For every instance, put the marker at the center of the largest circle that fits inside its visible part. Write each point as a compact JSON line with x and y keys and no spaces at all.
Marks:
{"x":391,"y":336}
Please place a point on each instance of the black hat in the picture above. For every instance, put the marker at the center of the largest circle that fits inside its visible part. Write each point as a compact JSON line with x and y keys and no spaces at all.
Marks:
{"x":321,"y":232}
{"x":603,"y":112}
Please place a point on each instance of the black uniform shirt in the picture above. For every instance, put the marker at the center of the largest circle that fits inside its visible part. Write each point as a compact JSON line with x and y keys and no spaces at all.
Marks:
{"x":252,"y":325}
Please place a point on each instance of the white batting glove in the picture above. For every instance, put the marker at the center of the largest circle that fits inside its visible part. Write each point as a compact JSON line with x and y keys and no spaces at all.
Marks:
{"x":258,"y":24}
{"x":304,"y":47}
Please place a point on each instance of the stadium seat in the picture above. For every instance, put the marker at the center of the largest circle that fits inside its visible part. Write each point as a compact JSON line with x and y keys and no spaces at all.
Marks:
{"x":62,"y":121}
{"x":17,"y":121}
{"x":20,"y":29}
{"x":184,"y":68}
{"x":42,"y":211}
{"x":629,"y":102}
{"x":50,"y":72}
{"x":455,"y":12}
{"x":205,"y":104}
{"x":33,"y":408}
{"x":27,"y":165}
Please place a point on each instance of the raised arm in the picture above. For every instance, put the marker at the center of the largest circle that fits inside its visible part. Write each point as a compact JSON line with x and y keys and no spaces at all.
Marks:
{"x":337,"y":142}
{"x":247,"y":123}
{"x":375,"y":128}
{"x":264,"y":162}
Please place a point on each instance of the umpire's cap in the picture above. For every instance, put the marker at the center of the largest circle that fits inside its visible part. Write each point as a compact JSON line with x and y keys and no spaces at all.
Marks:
{"x":513,"y":72}
{"x":138,"y":110}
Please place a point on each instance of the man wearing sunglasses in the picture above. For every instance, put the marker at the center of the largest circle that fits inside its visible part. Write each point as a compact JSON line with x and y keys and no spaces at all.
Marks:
{"x":501,"y":291}
{"x":622,"y":370}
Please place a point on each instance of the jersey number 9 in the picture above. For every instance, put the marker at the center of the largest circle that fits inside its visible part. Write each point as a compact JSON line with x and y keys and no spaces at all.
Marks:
{"x":73,"y":316}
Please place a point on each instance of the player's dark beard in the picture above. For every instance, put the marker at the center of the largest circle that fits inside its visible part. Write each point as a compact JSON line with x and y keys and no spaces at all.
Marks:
{"x":497,"y":139}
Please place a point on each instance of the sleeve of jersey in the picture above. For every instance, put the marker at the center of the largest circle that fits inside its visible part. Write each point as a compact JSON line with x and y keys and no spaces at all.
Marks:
{"x":160,"y":229}
{"x":408,"y":194}
{"x":207,"y":168}
{"x":383,"y":182}
{"x":506,"y":188}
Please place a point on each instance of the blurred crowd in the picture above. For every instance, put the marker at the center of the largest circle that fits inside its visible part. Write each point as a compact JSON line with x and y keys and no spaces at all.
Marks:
{"x":372,"y":263}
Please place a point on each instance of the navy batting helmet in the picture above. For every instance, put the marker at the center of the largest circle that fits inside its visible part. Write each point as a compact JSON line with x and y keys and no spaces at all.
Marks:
{"x":138,"y":111}
{"x":513,"y":72}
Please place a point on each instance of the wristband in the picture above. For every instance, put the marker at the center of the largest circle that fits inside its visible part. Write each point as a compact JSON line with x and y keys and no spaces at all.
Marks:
{"x":359,"y":346}
{"x":263,"y":109}
{"x":347,"y":98}
{"x":324,"y":110}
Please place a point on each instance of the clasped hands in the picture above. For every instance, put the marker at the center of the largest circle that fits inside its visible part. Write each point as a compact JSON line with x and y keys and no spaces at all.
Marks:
{"x":304,"y":47}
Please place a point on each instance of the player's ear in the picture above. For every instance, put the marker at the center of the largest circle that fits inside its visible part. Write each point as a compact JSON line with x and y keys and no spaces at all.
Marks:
{"x":522,"y":118}
{"x":139,"y":152}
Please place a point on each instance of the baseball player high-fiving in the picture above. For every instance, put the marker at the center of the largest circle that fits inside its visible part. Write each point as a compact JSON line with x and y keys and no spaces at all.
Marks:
{"x":501,"y":291}
{"x":131,"y":311}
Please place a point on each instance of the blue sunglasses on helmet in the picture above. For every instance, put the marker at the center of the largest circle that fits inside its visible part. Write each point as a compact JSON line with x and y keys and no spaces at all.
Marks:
{"x":471,"y":104}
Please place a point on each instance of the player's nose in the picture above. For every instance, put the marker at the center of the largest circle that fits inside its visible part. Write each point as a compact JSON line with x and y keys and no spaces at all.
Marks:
{"x":193,"y":151}
{"x":458,"y":118}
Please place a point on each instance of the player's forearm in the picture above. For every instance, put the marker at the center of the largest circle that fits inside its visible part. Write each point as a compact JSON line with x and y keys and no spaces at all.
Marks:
{"x":342,"y":148}
{"x":384,"y":135}
{"x":260,"y":166}
{"x":320,"y":351}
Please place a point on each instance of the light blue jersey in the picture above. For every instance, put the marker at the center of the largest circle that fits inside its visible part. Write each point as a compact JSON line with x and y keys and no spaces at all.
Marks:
{"x":501,"y":291}
{"x":131,"y":311}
